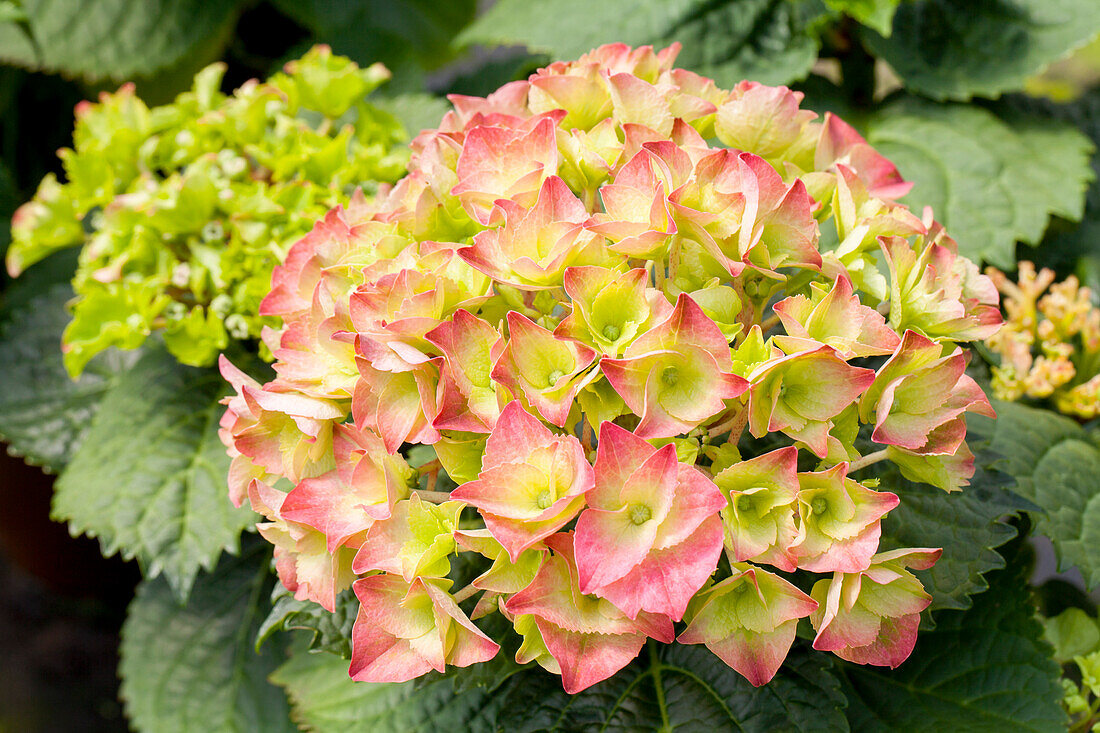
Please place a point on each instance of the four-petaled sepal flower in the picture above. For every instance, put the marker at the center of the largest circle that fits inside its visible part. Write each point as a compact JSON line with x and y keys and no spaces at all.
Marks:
{"x":871,"y":616}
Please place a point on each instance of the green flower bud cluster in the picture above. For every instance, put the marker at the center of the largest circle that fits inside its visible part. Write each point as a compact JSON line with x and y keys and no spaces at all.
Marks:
{"x":183,"y":210}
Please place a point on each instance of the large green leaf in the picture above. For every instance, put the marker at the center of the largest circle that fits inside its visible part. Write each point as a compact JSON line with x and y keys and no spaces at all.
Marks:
{"x":192,"y":667}
{"x":1070,"y":248}
{"x":670,"y":688}
{"x":1056,"y":464}
{"x":329,"y":631}
{"x":150,"y":477}
{"x":112,"y":39}
{"x":954,"y":50}
{"x":990,"y":182}
{"x":324,"y":698}
{"x":967,"y":524}
{"x":406,"y":35}
{"x":766,"y":40}
{"x":683,"y":688}
{"x":877,"y":14}
{"x":982,"y":670}
{"x":44,"y":414}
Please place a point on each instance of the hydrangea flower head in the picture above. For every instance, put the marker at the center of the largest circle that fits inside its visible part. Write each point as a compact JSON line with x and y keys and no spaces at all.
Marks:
{"x":636,"y":373}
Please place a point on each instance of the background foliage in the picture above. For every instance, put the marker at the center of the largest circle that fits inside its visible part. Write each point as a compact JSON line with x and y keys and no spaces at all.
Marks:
{"x":946,"y":89}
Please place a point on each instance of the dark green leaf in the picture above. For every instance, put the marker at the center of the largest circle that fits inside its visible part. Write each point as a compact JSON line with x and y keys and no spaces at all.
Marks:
{"x":967,"y":524}
{"x":192,"y":667}
{"x":324,"y":698}
{"x":954,"y":50}
{"x":395,"y":32}
{"x":990,"y":182}
{"x":150,"y":477}
{"x":44,"y":414}
{"x":111,"y":39}
{"x":682,"y":688}
{"x":330,"y":632}
{"x":1056,"y":464}
{"x":766,"y":40}
{"x":985,"y":669}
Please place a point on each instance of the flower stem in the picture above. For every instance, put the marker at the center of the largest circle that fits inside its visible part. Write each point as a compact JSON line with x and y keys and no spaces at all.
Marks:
{"x":465,"y":593}
{"x":867,"y":460}
{"x":435,"y":497}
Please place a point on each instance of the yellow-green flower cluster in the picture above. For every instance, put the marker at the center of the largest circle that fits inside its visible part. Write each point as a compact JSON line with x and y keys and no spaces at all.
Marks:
{"x":183,"y":210}
{"x":1050,"y":344}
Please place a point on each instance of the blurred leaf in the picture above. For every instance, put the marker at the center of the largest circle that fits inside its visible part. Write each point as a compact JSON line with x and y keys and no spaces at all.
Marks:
{"x":955,"y":50}
{"x":876,"y":14}
{"x":415,"y":111}
{"x":192,"y":667}
{"x":990,"y":182}
{"x":765,"y":40}
{"x":44,"y":415}
{"x":409,"y":36}
{"x":149,"y":477}
{"x":111,"y":39}
{"x":985,"y":670}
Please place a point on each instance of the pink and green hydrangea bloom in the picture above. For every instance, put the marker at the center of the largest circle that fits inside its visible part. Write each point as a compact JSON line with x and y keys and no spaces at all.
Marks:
{"x":871,"y":616}
{"x":748,"y":620}
{"x":650,"y":536}
{"x":532,"y":482}
{"x":578,"y":308}
{"x":588,"y":637}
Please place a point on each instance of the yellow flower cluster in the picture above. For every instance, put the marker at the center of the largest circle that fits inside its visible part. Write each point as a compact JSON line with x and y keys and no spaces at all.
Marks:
{"x":1050,"y":343}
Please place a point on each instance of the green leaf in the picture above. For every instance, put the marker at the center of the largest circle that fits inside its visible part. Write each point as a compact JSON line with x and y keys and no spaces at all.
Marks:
{"x":324,"y":698}
{"x":951,"y":50}
{"x":985,"y":669}
{"x":967,"y":524}
{"x":415,"y":111}
{"x":876,"y":14}
{"x":401,"y":32}
{"x":331,"y":632}
{"x":766,"y":40}
{"x":1072,"y":633}
{"x":1071,"y":249}
{"x":1056,"y":464}
{"x":991,"y":182}
{"x":111,"y":39}
{"x":44,"y":414}
{"x":682,"y":688}
{"x":671,"y":688}
{"x":192,"y":667}
{"x":149,"y":478}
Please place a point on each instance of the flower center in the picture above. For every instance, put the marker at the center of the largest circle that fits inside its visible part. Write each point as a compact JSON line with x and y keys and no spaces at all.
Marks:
{"x":553,"y":377}
{"x":670,"y":376}
{"x":819,"y":505}
{"x":544,"y":499}
{"x":611,"y":332}
{"x":640,"y":513}
{"x":745,"y":503}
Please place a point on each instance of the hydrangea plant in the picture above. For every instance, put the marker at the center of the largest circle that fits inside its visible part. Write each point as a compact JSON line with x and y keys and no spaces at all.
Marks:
{"x":637,"y":321}
{"x":183,"y":210}
{"x":1049,"y":347}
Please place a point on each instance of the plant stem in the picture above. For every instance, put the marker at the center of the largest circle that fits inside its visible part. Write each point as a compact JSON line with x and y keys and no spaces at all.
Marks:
{"x":867,"y":460}
{"x":769,"y":323}
{"x":465,"y":593}
{"x":434,"y":497}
